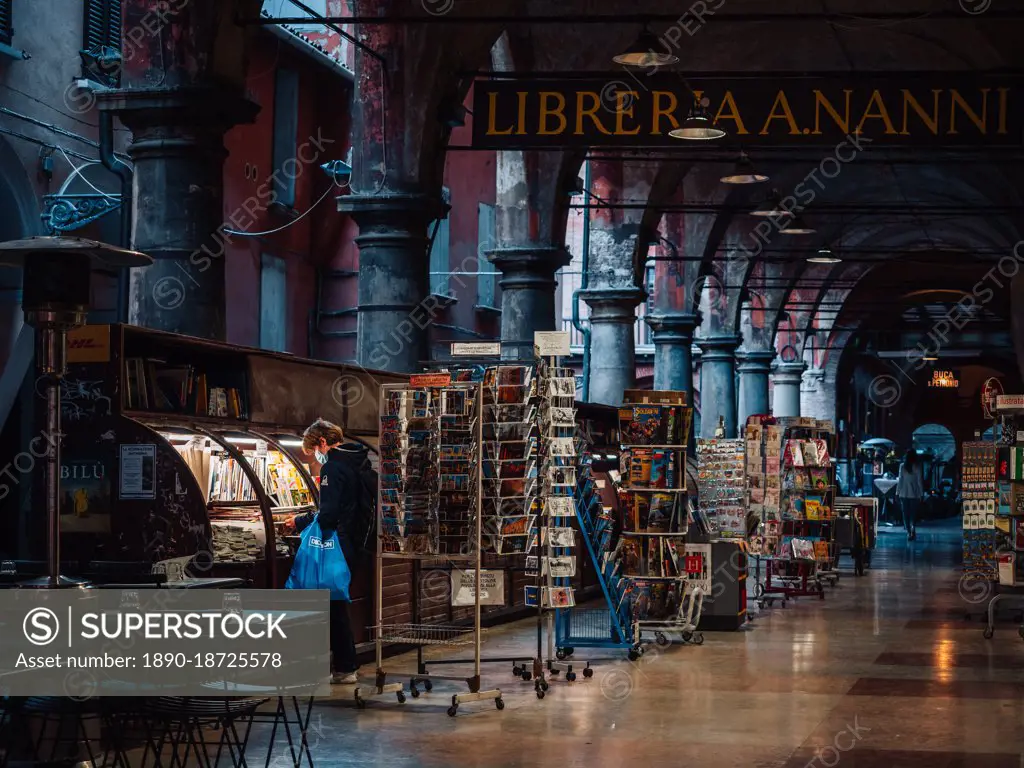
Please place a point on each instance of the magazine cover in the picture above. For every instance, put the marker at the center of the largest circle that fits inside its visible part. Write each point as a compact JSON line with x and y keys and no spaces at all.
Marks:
{"x":641,"y":424}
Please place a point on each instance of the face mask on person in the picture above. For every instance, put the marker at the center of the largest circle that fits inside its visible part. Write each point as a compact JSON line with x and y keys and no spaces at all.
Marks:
{"x":320,"y":457}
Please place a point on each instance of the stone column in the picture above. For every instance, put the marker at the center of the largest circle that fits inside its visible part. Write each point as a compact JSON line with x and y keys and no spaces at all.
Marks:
{"x":754,"y":367}
{"x":673,"y":361}
{"x":786,"y":378}
{"x":718,"y":384}
{"x":527,"y":294}
{"x":612,"y":352}
{"x":178,"y":197}
{"x":395,"y":310}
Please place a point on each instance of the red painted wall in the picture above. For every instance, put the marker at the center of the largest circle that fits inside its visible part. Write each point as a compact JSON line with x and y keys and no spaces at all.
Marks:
{"x":470,"y":177}
{"x":323,"y":237}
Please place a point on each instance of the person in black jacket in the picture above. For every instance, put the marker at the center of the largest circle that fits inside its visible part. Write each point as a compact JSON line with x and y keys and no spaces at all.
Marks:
{"x":340,"y":487}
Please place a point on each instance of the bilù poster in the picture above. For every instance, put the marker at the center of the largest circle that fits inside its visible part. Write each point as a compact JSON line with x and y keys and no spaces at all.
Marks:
{"x":84,"y":496}
{"x":137,"y":471}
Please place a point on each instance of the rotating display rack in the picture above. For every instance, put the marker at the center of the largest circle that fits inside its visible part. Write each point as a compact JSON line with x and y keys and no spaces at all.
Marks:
{"x":429,"y":492}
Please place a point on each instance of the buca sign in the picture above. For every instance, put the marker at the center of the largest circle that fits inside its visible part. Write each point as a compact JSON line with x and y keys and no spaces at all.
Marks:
{"x":628,"y":108}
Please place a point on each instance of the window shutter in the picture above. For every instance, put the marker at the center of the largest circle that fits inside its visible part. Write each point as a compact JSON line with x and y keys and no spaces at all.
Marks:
{"x":6,"y":22}
{"x":440,"y":252}
{"x":485,"y":241}
{"x":102,"y":25}
{"x":286,"y":128}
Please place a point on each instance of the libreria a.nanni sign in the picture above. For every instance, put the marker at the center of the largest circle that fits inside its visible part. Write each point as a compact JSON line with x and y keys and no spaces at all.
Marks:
{"x":628,"y":108}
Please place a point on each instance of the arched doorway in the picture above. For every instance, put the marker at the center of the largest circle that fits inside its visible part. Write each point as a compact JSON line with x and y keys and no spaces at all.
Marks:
{"x":938,"y":450}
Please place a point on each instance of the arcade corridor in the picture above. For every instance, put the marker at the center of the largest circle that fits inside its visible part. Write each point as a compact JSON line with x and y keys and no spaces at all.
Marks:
{"x":884,"y":673}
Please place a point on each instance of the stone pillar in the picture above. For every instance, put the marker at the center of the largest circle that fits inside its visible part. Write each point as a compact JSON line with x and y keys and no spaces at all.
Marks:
{"x":612,"y":351}
{"x":754,"y":367}
{"x":718,"y":384}
{"x":786,"y":378}
{"x":673,"y":361}
{"x":395,"y":310}
{"x":527,"y":294}
{"x":178,"y":198}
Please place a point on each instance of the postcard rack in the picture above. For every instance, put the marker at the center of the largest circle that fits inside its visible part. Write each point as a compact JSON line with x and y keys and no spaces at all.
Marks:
{"x":428,"y":511}
{"x":651,"y":554}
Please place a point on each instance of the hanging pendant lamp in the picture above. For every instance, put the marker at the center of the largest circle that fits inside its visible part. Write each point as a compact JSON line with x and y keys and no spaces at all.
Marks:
{"x":647,"y":51}
{"x":698,"y":125}
{"x":744,"y":173}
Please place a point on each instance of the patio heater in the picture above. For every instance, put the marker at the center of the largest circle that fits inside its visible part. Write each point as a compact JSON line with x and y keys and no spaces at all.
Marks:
{"x":57,"y":273}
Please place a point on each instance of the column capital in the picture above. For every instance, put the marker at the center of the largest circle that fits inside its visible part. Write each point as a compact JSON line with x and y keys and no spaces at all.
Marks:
{"x":674,"y":328}
{"x":788,"y":373}
{"x":528,"y":266}
{"x":755,"y":360}
{"x":389,"y":208}
{"x":613,"y":305}
{"x":215,"y":108}
{"x":718,"y":348}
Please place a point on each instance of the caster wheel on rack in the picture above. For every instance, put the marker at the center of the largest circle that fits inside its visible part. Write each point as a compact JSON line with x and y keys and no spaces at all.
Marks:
{"x":988,"y":633}
{"x":400,"y":695}
{"x":361,"y":703}
{"x":499,"y":704}
{"x":544,"y":685}
{"x":561,"y":654}
{"x":428,"y":686}
{"x":527,"y":675}
{"x":570,"y":677}
{"x":415,"y":692}
{"x":698,"y":639}
{"x":662,"y":640}
{"x":633,"y":654}
{"x":517,"y":670}
{"x":452,"y":711}
{"x":554,"y":672}
{"x":588,"y":673}
{"x":540,"y":694}
{"x":687,"y":637}
{"x":759,"y":590}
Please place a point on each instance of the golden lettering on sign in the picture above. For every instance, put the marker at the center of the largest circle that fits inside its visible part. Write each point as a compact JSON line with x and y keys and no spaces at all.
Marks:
{"x":561,"y":110}
{"x":944,"y":380}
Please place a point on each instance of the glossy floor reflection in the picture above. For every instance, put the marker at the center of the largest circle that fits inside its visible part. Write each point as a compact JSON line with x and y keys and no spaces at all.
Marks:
{"x":886,"y":671}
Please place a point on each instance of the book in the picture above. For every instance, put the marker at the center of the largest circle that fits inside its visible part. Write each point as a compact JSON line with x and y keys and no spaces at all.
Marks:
{"x":641,"y":424}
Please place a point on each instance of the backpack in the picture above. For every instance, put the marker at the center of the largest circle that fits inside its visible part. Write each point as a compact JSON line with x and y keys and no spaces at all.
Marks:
{"x":364,"y":524}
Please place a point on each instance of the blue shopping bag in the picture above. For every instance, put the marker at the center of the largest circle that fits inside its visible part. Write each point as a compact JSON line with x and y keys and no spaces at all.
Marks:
{"x":320,"y":564}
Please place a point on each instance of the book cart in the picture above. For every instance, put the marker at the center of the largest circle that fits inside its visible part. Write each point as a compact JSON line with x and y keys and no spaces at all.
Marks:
{"x":429,"y":490}
{"x":652,"y":555}
{"x":794,"y":494}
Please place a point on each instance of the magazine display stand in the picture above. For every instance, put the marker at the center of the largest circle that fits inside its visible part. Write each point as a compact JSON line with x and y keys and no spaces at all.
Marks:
{"x":795,"y":535}
{"x":609,"y":626}
{"x":428,"y":507}
{"x":651,"y":553}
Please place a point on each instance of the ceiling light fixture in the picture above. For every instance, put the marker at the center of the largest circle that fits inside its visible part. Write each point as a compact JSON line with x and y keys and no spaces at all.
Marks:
{"x":744,"y":173}
{"x":824,"y":256}
{"x":797,"y":226}
{"x":930,"y":358}
{"x":647,"y":51}
{"x":698,"y":125}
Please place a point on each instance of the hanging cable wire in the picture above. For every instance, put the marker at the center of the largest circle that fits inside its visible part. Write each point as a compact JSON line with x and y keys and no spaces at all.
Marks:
{"x":285,"y":226}
{"x":78,"y":172}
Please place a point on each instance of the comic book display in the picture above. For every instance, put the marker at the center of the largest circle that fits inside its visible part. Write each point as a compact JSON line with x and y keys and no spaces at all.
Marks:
{"x":651,"y":553}
{"x":980,"y":494}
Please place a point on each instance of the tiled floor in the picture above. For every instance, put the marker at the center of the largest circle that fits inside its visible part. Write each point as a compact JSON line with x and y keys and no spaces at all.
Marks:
{"x":886,"y":671}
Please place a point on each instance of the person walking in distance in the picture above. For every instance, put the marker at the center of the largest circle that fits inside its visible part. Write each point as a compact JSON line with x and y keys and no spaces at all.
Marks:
{"x":910,"y":489}
{"x":341,"y":489}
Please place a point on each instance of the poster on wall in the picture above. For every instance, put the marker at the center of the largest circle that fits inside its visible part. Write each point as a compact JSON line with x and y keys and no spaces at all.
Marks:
{"x":138,"y":471}
{"x":84,"y":496}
